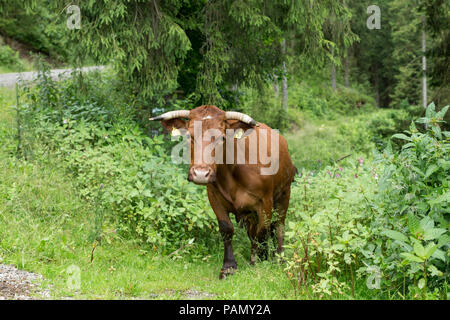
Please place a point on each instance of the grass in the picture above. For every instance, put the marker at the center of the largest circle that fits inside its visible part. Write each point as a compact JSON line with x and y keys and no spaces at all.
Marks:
{"x":322,"y":142}
{"x":27,"y":66}
{"x":45,"y":227}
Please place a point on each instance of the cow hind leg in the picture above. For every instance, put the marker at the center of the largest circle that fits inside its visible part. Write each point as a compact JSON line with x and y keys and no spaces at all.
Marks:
{"x":263,"y":228}
{"x":281,"y":206}
{"x":250,"y":225}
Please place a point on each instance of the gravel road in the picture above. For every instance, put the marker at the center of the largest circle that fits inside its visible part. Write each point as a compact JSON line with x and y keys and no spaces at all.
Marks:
{"x":20,"y":285}
{"x":10,"y":79}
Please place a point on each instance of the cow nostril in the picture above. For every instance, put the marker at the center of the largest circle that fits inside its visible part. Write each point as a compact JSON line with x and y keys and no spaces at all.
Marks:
{"x":207,"y":174}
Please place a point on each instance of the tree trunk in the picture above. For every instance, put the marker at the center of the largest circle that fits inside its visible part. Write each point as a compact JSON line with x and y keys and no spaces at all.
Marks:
{"x":347,"y":72}
{"x":377,"y":90}
{"x":333,"y":72}
{"x":424,"y":66}
{"x":284,"y":80}
{"x":276,"y":88}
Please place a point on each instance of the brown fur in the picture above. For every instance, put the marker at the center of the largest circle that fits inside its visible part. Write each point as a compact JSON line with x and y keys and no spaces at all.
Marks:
{"x":241,"y":189}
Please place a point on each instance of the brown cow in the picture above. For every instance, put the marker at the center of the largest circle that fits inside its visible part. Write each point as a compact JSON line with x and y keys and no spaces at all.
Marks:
{"x":234,"y":185}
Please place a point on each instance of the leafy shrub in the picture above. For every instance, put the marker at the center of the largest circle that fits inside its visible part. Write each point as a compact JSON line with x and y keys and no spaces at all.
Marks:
{"x":116,"y":166}
{"x":385,"y":221}
{"x":328,"y":228}
{"x":264,"y":107}
{"x":328,"y":141}
{"x":414,"y":194}
{"x":320,"y":102}
{"x":9,"y":57}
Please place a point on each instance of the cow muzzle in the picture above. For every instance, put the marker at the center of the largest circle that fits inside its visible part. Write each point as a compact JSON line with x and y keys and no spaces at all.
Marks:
{"x":201,"y":175}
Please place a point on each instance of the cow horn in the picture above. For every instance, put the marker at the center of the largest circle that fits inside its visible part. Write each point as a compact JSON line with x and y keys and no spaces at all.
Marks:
{"x":233,"y":115}
{"x":172,"y":115}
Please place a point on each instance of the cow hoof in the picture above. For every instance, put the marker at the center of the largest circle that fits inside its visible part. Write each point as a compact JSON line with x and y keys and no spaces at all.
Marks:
{"x":225,"y":272}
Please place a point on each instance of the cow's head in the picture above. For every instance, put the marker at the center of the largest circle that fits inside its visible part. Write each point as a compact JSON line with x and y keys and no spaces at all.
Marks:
{"x":210,"y":124}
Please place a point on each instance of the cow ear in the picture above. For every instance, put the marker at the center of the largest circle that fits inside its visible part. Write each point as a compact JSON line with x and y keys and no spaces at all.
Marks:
{"x":236,"y":124}
{"x":173,"y":125}
{"x":241,"y":129}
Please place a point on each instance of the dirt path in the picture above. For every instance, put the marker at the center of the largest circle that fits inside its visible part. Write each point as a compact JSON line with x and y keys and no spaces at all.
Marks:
{"x":20,"y":285}
{"x":10,"y":79}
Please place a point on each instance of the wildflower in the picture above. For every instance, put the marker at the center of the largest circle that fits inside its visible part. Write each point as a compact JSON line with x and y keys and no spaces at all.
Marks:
{"x":65,"y":121}
{"x":338,"y":175}
{"x":375,"y":176}
{"x":361,"y":162}
{"x":356,"y":175}
{"x":340,"y":168}
{"x":299,"y":174}
{"x":329,"y":173}
{"x":106,"y":137}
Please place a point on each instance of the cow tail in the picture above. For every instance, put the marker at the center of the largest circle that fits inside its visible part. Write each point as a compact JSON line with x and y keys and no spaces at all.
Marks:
{"x":295,"y":173}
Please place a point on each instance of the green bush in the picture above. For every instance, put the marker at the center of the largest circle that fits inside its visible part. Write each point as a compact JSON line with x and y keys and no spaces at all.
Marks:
{"x":328,"y":228}
{"x":414,"y":194}
{"x":319,"y":101}
{"x":264,"y":107}
{"x":385,"y":222}
{"x":9,"y":57}
{"x":117,"y":167}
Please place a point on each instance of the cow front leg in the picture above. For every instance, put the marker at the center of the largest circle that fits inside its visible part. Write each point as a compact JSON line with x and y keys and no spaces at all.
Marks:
{"x":226,"y":231}
{"x":229,"y":261}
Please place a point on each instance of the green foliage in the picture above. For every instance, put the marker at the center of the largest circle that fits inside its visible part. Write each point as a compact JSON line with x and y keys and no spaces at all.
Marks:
{"x":9,"y":57}
{"x":414,"y":191}
{"x":383,"y":125}
{"x":328,"y":228}
{"x":315,"y":146}
{"x":438,"y":29}
{"x":264,"y":107}
{"x":407,"y":26}
{"x":33,"y":24}
{"x":142,"y":192}
{"x":385,"y":221}
{"x":220,"y":43}
{"x":418,"y":175}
